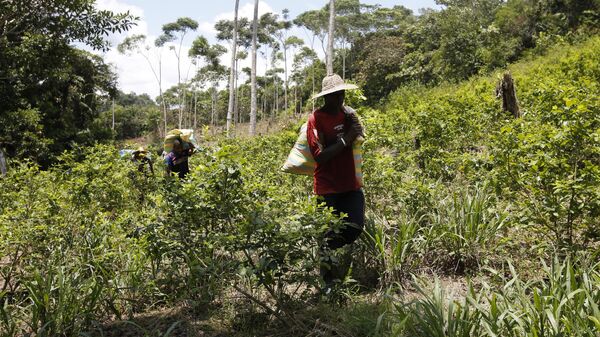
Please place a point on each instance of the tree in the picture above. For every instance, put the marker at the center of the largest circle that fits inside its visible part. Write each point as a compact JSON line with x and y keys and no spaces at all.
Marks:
{"x":212,"y":72}
{"x":136,"y":115}
{"x":290,"y":42}
{"x":281,"y":35}
{"x":302,"y":61}
{"x":200,"y":48}
{"x":50,"y":90}
{"x":316,"y":22}
{"x":181,"y":27}
{"x":350,"y":22}
{"x":241,"y":55}
{"x":253,"y":89}
{"x":138,"y":44}
{"x":267,"y":27}
{"x":66,"y":21}
{"x":232,"y":70}
{"x":380,"y":56}
{"x":331,"y":37}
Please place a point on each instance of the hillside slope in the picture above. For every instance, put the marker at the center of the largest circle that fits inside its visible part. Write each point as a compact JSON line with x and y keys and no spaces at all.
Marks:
{"x":455,"y":188}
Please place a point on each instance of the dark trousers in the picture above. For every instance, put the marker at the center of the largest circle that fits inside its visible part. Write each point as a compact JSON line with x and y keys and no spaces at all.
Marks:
{"x":353,"y":205}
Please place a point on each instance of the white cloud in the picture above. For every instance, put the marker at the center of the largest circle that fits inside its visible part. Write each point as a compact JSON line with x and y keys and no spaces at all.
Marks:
{"x":246,"y":10}
{"x":207,"y":28}
{"x":134,"y":70}
{"x":135,"y":73}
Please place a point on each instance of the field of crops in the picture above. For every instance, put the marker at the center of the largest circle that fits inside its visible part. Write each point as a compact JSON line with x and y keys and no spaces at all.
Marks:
{"x":478,"y":224}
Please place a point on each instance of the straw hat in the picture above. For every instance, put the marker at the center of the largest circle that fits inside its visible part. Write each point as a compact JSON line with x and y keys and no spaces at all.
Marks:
{"x":333,"y":83}
{"x":140,"y":150}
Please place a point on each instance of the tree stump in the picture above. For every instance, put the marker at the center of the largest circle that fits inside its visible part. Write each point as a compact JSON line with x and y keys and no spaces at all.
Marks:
{"x":506,"y":90}
{"x":417,"y":147}
{"x":3,"y":165}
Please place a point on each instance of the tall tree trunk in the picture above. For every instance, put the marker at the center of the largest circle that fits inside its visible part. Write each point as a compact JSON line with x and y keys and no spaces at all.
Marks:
{"x":195,"y":108}
{"x":330,"y":39}
{"x":265,"y":91}
{"x":253,"y":89}
{"x":264,"y":106}
{"x":213,"y":103}
{"x":313,"y":85}
{"x":162,"y":98}
{"x":276,"y":101}
{"x":240,"y":100}
{"x":232,"y":71}
{"x":236,"y":101}
{"x":3,"y":166}
{"x":182,"y":108}
{"x":179,"y":91}
{"x":113,"y":114}
{"x":344,"y":65}
{"x":285,"y":87}
{"x":216,"y":106}
{"x":158,"y":78}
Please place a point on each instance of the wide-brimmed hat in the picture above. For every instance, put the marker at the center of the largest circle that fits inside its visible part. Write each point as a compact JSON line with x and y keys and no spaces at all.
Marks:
{"x":333,"y":83}
{"x":141,"y":150}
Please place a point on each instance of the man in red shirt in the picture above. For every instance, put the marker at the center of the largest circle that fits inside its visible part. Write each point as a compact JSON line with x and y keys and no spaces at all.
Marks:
{"x":331,"y":131}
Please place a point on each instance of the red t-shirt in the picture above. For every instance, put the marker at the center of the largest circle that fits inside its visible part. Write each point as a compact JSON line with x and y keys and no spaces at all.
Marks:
{"x":337,"y":175}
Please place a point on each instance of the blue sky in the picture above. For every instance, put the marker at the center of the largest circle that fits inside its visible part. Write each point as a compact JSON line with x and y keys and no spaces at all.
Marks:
{"x":159,"y":12}
{"x":134,"y":70}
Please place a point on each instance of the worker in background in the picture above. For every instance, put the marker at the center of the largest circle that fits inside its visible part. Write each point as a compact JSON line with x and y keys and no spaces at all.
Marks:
{"x":141,"y":157}
{"x":177,"y":159}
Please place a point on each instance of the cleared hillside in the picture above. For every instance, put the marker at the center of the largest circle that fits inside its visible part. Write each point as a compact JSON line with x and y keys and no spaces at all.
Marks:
{"x":456,"y":189}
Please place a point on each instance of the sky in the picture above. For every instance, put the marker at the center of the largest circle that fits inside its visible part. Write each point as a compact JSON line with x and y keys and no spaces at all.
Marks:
{"x":134,"y":70}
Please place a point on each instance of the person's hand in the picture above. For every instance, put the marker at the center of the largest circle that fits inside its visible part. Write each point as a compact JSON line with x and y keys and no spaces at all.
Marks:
{"x":351,"y":135}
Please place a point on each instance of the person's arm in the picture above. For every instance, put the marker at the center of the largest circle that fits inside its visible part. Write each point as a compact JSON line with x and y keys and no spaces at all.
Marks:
{"x":330,"y":152}
{"x":315,"y":139}
{"x":151,"y":167}
{"x":355,"y":121}
{"x":333,"y":150}
{"x":168,"y":164}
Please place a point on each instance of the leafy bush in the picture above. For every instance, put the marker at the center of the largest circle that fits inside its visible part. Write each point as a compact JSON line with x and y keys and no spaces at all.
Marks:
{"x":450,"y":179}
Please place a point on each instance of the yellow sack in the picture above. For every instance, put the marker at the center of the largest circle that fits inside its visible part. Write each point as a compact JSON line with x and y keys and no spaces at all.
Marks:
{"x":185,"y":135}
{"x":357,"y":152}
{"x":301,"y":161}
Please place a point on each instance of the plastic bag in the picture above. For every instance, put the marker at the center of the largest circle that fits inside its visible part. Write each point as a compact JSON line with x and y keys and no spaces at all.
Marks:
{"x":301,"y":161}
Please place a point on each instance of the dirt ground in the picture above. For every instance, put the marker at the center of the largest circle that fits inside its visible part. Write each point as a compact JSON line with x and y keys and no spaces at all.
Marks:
{"x":222,"y":322}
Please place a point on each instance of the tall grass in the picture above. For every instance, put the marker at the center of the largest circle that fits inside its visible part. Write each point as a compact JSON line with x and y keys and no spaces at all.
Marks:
{"x":463,"y":229}
{"x":396,"y":248}
{"x":433,"y":314}
{"x":563,"y":302}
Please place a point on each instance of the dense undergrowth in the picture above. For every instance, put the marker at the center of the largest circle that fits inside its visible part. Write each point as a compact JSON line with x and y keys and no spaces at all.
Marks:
{"x":455,"y":187}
